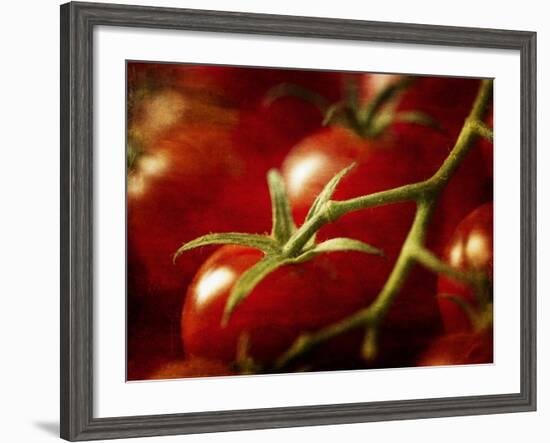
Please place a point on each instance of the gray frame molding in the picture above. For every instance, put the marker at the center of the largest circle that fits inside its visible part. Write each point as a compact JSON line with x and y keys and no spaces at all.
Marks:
{"x":77,"y":23}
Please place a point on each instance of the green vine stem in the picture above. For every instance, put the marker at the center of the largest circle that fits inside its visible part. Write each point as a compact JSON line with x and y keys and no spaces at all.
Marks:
{"x":425,"y":194}
{"x":483,"y":130}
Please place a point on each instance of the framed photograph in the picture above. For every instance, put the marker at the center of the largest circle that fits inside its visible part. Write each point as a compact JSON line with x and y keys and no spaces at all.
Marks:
{"x":273,"y":221}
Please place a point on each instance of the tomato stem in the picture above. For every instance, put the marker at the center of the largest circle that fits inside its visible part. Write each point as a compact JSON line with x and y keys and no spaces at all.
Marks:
{"x":368,"y":120}
{"x":369,"y":111}
{"x":483,"y":130}
{"x":430,"y":261}
{"x":425,"y":194}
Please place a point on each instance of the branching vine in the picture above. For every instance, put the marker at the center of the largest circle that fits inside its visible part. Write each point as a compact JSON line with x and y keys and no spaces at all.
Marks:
{"x":288,"y":245}
{"x":425,"y":194}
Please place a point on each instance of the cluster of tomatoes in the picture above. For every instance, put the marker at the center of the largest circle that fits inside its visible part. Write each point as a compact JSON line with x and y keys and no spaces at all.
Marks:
{"x":200,"y":142}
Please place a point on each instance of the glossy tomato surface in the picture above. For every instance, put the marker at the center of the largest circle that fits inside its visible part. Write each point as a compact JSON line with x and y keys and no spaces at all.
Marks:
{"x":380,"y":165}
{"x":293,"y":300}
{"x":470,"y":249}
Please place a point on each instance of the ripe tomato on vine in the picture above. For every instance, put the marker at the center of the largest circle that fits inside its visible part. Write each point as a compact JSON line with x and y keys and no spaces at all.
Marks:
{"x":469,"y":250}
{"x":466,"y":304}
{"x":370,"y":190}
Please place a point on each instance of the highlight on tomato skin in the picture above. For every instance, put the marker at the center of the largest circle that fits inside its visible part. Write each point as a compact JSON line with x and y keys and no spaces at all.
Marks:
{"x":466,"y":314}
{"x":201,"y":140}
{"x":470,"y":249}
{"x":287,"y":304}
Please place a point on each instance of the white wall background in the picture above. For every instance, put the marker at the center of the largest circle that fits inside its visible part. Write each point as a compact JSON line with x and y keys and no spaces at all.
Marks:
{"x":29,"y":266}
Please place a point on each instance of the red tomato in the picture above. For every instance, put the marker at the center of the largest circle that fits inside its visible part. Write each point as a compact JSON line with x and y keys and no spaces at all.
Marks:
{"x":168,"y":205}
{"x":380,"y":165}
{"x":167,"y":192}
{"x":292,"y":300}
{"x":459,"y":349}
{"x":469,"y":249}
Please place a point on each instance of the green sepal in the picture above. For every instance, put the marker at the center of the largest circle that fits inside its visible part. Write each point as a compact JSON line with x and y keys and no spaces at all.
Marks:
{"x":249,"y":280}
{"x":418,"y":118}
{"x":368,"y":112}
{"x":333,"y":113}
{"x":262,"y":242}
{"x":292,"y":90}
{"x":351,"y":92}
{"x":339,"y":244}
{"x":283,"y":224}
{"x":326,"y":194}
{"x":273,"y":246}
{"x":380,"y":123}
{"x":383,"y":119}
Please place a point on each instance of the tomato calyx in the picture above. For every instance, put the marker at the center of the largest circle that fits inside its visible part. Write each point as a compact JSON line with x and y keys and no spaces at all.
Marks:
{"x":286,"y":244}
{"x":368,"y":120}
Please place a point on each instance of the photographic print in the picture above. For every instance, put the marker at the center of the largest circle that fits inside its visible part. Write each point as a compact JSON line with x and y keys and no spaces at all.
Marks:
{"x":285,"y":220}
{"x":244,"y":219}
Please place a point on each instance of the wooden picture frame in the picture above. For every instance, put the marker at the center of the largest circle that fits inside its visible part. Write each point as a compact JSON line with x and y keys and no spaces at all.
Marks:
{"x":78,"y":21}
